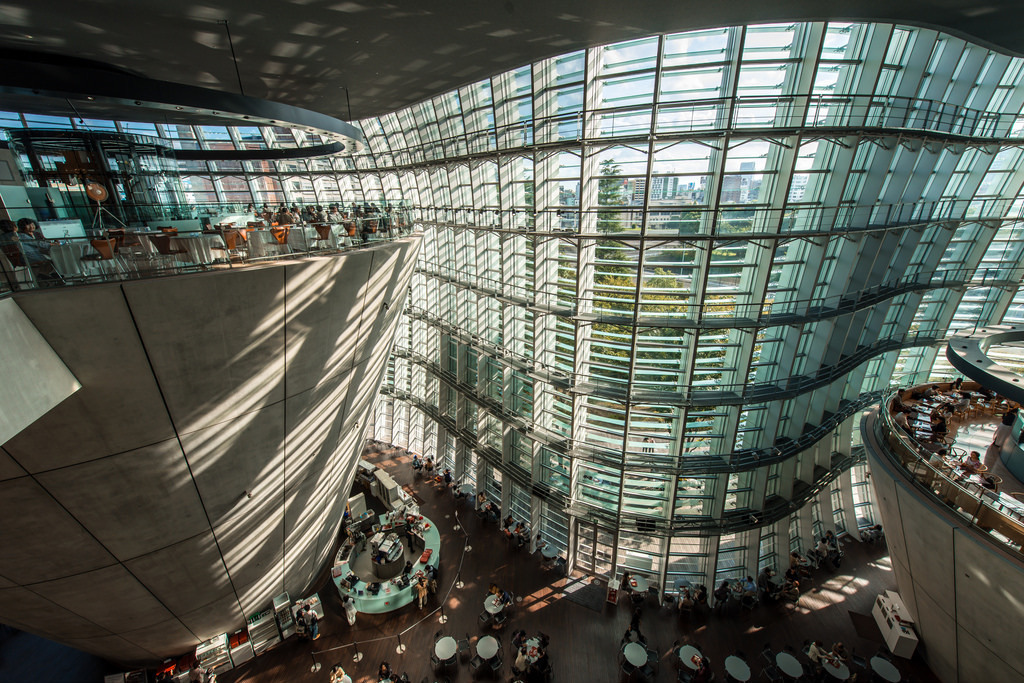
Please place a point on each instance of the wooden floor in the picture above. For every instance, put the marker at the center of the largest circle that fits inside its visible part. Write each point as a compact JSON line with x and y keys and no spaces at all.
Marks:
{"x":584,"y":642}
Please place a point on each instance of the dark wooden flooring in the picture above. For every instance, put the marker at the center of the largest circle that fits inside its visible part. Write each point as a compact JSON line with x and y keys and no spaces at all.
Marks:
{"x":585,"y":642}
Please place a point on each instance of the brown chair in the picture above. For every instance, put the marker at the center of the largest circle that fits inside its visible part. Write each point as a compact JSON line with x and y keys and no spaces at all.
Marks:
{"x":105,"y":248}
{"x":350,"y":228}
{"x":280,"y":234}
{"x":231,"y":246}
{"x":324,"y":234}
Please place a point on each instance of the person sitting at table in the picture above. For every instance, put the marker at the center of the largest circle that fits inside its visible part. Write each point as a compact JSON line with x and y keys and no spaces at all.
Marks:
{"x":492,"y":512}
{"x":384,"y":672}
{"x":900,"y":418}
{"x":973,"y":462}
{"x":817,"y":653}
{"x":338,"y":675}
{"x":700,"y":595}
{"x":897,"y":405}
{"x":703,"y":673}
{"x":505,"y":597}
{"x":685,"y":599}
{"x":938,"y":458}
{"x":839,"y":653}
{"x":931,"y":391}
{"x":519,"y":638}
{"x":541,"y":667}
{"x":938,"y":423}
{"x":481,"y":499}
{"x":428,"y":465}
{"x":790,"y":591}
{"x":764,"y":581}
{"x":335,"y":216}
{"x":522,"y":661}
{"x":508,"y":523}
{"x":624,"y":584}
{"x":521,"y":533}
{"x":958,"y":384}
{"x":748,"y":587}
{"x":722,"y":593}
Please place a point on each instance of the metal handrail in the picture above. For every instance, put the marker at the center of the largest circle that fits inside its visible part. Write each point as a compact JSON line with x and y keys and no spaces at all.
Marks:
{"x":980,"y":509}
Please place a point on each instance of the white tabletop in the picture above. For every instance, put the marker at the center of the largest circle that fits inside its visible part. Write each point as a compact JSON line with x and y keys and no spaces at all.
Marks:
{"x":532,"y":650}
{"x":737,"y":668}
{"x":885,"y":669}
{"x":487,"y":647}
{"x":687,"y":655}
{"x":789,"y":665}
{"x":549,"y":551}
{"x":445,"y":648}
{"x":842,"y":672}
{"x":680,"y":583}
{"x":493,"y":604}
{"x":635,"y":653}
{"x":640,"y":583}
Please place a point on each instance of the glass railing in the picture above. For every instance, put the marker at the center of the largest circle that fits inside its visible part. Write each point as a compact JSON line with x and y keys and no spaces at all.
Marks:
{"x":121,"y":254}
{"x":996,"y":513}
{"x":130,"y":213}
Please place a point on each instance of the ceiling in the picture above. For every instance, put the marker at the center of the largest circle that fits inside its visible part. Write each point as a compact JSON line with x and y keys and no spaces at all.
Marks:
{"x":306,"y":53}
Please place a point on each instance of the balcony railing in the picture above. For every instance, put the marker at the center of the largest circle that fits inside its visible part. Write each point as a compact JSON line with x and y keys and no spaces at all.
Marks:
{"x":999,"y":515}
{"x":118,"y":255}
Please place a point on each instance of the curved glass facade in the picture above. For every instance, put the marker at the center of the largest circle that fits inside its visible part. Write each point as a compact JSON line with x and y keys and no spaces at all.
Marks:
{"x":661,"y":278}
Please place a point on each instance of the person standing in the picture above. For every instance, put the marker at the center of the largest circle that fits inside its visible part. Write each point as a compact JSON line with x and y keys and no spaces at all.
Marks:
{"x":350,"y":610}
{"x":422,"y":591}
{"x":312,"y":623}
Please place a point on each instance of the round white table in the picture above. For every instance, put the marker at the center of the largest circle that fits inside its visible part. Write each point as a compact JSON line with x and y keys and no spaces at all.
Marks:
{"x":639,"y":584}
{"x":737,"y":668}
{"x":681,"y":583}
{"x":635,"y":654}
{"x":445,"y":648}
{"x":690,"y":656}
{"x":885,"y":669}
{"x":532,"y":650}
{"x":841,"y":672}
{"x":493,"y":604}
{"x":549,"y":552}
{"x":789,"y":665}
{"x":487,"y":647}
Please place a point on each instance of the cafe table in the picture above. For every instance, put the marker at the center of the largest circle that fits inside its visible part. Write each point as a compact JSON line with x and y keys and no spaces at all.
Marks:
{"x":737,"y":668}
{"x":445,"y":648}
{"x":885,"y":669}
{"x":789,"y":665}
{"x":836,"y":669}
{"x":487,"y":647}
{"x":690,"y":656}
{"x":638,"y":583}
{"x":493,"y":604}
{"x":635,"y":654}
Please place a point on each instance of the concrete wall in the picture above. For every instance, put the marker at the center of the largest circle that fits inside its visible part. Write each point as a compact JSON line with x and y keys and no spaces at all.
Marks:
{"x":964,"y":590}
{"x":204,"y":465}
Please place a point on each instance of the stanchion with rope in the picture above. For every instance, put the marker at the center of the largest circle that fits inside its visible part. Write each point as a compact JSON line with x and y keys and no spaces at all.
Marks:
{"x":443,"y":618}
{"x":316,"y":664}
{"x":401,"y":646}
{"x":358,"y":656}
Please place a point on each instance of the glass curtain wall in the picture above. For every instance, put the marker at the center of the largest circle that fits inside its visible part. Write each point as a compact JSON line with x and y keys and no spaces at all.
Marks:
{"x":661,"y":278}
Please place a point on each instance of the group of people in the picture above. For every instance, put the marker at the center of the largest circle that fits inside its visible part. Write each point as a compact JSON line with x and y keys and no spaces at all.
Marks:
{"x":531,"y":667}
{"x":307,"y":624}
{"x":515,"y":530}
{"x":24,"y":245}
{"x":819,"y":655}
{"x":370,"y":217}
